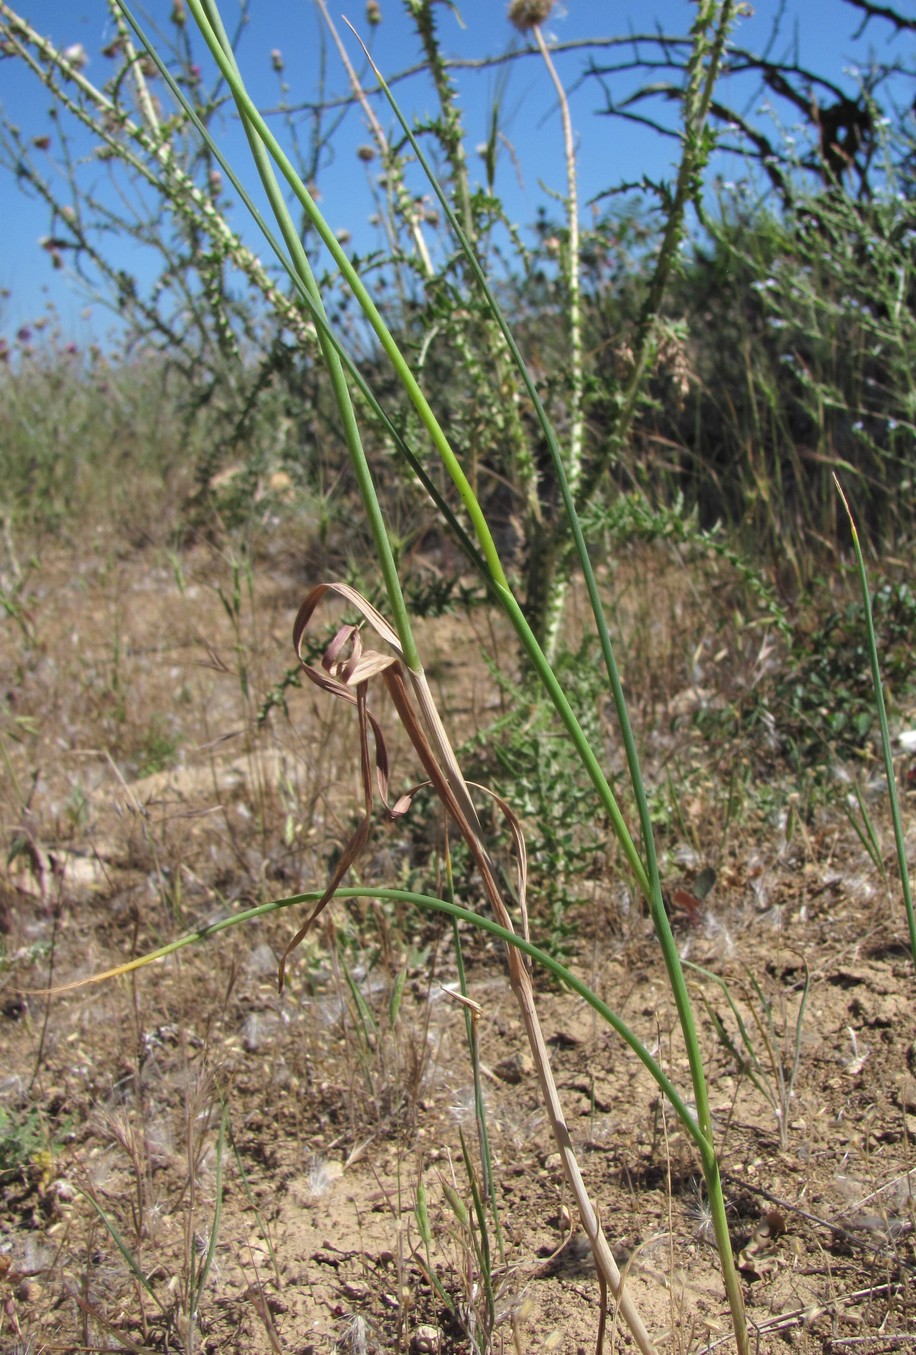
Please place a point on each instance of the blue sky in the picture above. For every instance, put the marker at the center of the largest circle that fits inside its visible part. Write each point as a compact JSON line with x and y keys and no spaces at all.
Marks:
{"x":819,"y":33}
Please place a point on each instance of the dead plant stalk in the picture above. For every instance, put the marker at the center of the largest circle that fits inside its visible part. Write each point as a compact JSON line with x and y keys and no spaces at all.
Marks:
{"x":347,"y":670}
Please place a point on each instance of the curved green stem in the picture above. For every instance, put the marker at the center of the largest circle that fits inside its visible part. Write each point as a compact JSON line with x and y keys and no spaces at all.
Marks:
{"x":429,"y":903}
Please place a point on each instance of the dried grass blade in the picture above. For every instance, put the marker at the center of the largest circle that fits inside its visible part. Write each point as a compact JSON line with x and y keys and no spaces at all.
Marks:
{"x":345,"y":673}
{"x":431,"y":718}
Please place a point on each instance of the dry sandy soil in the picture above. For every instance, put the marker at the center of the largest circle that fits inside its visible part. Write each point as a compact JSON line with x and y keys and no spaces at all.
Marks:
{"x":191,"y":1161}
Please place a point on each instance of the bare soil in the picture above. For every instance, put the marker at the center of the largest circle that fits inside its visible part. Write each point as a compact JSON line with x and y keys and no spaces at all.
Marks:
{"x":190,"y":1160}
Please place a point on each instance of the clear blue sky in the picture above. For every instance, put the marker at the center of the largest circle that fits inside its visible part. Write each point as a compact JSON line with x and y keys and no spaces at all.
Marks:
{"x":817,"y":32}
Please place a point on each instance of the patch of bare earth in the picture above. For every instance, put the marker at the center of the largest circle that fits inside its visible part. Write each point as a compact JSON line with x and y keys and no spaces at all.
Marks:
{"x":192,"y":1161}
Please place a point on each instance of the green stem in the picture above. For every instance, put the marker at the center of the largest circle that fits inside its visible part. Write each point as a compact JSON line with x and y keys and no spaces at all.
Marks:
{"x":497,"y":576}
{"x":451,"y":133}
{"x":557,"y":576}
{"x":648,"y":879}
{"x":890,"y":774}
{"x":702,"y":74}
{"x":429,"y":903}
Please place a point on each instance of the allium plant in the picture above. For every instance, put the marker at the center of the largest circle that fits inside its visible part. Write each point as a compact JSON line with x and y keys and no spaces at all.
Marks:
{"x":349,"y":666}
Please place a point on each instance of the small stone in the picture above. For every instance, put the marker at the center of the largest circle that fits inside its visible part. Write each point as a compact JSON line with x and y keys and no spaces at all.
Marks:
{"x":514,"y":1069}
{"x":906,"y":1091}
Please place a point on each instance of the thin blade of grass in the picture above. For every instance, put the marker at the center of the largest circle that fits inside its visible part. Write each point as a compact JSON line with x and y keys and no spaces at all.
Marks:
{"x":427,"y":903}
{"x":864,"y":830}
{"x":893,"y":798}
{"x":132,"y":1262}
{"x":217,"y":1207}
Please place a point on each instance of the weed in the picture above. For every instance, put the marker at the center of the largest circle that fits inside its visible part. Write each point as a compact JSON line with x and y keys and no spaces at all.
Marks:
{"x":767,"y":1046}
{"x":157,"y":751}
{"x":825,"y":700}
{"x":526,"y":757}
{"x":25,"y":1148}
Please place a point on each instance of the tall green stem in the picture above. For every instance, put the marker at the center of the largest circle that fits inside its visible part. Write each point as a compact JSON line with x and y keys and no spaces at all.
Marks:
{"x":255,"y":123}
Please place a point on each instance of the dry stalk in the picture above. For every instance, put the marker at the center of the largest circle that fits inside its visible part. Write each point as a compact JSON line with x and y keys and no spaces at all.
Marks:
{"x":346,"y":669}
{"x":381,"y":140}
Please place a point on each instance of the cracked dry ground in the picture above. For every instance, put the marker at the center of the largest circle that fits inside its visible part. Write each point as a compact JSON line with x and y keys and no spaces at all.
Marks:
{"x":191,"y":1161}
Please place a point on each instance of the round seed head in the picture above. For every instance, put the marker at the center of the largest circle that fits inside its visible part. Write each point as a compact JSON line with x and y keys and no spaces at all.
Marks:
{"x":526,"y":14}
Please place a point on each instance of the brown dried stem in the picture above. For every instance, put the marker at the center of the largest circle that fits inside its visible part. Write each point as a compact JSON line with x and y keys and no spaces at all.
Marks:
{"x":345,"y":671}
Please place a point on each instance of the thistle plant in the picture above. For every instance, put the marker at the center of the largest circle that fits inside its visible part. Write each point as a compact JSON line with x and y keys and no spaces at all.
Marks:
{"x":170,"y":203}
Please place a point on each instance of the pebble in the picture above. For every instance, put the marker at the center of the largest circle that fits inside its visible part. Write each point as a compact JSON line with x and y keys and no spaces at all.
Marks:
{"x":426,"y":1340}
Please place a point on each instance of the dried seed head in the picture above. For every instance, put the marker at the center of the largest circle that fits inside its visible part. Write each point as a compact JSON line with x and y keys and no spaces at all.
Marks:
{"x":526,"y":14}
{"x":672,"y":358}
{"x":373,"y":12}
